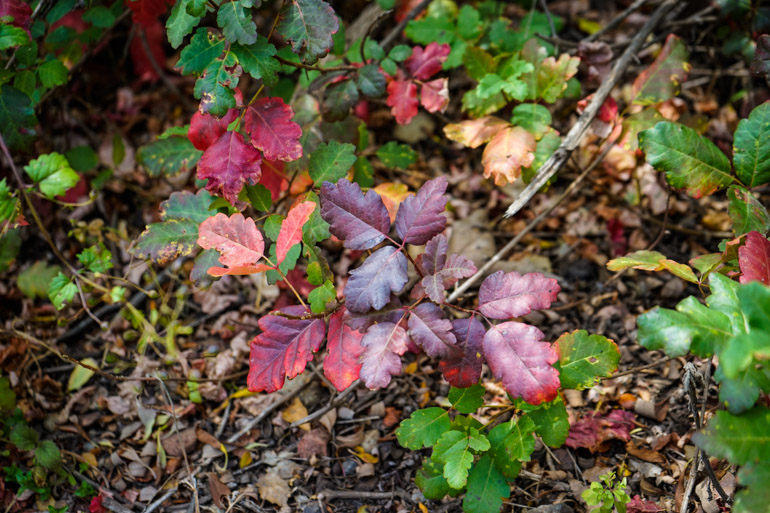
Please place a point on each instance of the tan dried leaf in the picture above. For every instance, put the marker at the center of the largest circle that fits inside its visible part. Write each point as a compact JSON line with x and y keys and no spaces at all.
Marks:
{"x":510,"y":150}
{"x":273,"y":489}
{"x":475,"y":132}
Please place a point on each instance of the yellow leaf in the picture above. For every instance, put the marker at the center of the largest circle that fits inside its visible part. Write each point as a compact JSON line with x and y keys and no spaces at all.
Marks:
{"x":392,"y":195}
{"x":422,"y":507}
{"x":246,"y":460}
{"x":80,"y":375}
{"x":475,"y":132}
{"x":365,"y":456}
{"x":588,"y":26}
{"x":294,"y":412}
{"x":411,"y":368}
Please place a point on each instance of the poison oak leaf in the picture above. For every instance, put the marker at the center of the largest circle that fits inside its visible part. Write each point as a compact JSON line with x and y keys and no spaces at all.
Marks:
{"x":370,"y":285}
{"x":754,"y":259}
{"x":205,"y":129}
{"x":228,"y":164}
{"x":343,"y":348}
{"x":392,"y":312}
{"x":360,"y":220}
{"x":424,"y":63}
{"x":270,"y":128}
{"x":508,"y":151}
{"x":308,"y":25}
{"x":273,"y":178}
{"x":239,"y":270}
{"x":146,"y":12}
{"x":462,"y":364}
{"x":430,"y":330}
{"x":440,"y":272}
{"x":421,"y":217}
{"x":283,"y":348}
{"x":402,"y":100}
{"x":291,"y":228}
{"x":475,"y":132}
{"x":517,"y":357}
{"x":506,"y":295}
{"x":434,"y":95}
{"x":236,"y":238}
{"x":19,"y":11}
{"x":384,"y":344}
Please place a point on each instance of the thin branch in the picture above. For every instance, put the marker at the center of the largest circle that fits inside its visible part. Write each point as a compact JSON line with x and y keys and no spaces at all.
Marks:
{"x":315,"y":67}
{"x":576,"y":133}
{"x":615,"y":21}
{"x":333,"y":403}
{"x":389,"y":39}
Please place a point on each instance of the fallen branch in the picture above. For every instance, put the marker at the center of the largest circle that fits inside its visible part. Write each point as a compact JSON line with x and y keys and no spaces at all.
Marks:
{"x":578,"y":131}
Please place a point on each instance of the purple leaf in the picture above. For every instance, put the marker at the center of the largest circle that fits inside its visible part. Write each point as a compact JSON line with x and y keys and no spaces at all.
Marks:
{"x":420,"y":217}
{"x":383,"y":346}
{"x":440,"y":272}
{"x":434,"y":258}
{"x":370,"y":285}
{"x":462,"y":366}
{"x":506,"y":295}
{"x":430,"y":330}
{"x":343,"y":346}
{"x":392,"y":312}
{"x":517,"y":357}
{"x":361,"y":221}
{"x":283,"y":348}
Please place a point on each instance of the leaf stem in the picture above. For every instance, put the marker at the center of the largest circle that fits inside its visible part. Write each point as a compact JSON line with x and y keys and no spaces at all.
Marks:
{"x":314,"y":67}
{"x":284,"y":278}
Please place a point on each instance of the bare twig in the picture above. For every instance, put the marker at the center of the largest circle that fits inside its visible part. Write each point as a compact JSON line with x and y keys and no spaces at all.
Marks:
{"x":617,"y":20}
{"x":512,"y":243}
{"x":394,"y":33}
{"x":640,"y":368}
{"x":157,"y":503}
{"x":354,"y":494}
{"x":576,"y":133}
{"x":334,"y":402}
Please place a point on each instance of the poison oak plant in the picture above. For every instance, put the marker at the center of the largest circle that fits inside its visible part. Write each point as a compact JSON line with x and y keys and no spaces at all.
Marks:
{"x":734,"y":324}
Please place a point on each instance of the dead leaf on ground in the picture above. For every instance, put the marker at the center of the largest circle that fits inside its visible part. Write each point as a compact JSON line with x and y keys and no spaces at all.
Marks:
{"x":273,"y":489}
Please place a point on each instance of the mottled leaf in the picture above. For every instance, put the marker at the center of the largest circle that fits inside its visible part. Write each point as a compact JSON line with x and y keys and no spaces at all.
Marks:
{"x":475,"y":132}
{"x":467,"y":400}
{"x":643,"y":260}
{"x":584,"y":358}
{"x":548,"y":79}
{"x":506,"y":295}
{"x":551,"y":422}
{"x":215,"y":89}
{"x":204,"y":47}
{"x":661,"y":80}
{"x":236,"y":23}
{"x":741,"y":438}
{"x":308,"y":25}
{"x":237,"y":239}
{"x":396,"y":155}
{"x":533,"y":117}
{"x":508,"y":151}
{"x":169,"y":156}
{"x":338,"y":99}
{"x":746,"y":212}
{"x":434,"y":95}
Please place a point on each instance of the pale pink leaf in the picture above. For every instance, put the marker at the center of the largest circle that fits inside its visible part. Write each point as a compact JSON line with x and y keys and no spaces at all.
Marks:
{"x":291,"y":228}
{"x":434,"y":95}
{"x":510,"y":150}
{"x":475,"y":132}
{"x":384,"y":344}
{"x":236,"y":239}
{"x":507,"y":295}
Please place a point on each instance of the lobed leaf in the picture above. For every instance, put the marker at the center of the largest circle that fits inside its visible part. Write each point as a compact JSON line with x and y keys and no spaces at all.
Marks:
{"x":361,"y":221}
{"x":584,"y":358}
{"x":511,"y":149}
{"x":462,"y":365}
{"x":215,"y":89}
{"x":507,"y":295}
{"x":516,"y":355}
{"x":236,"y":238}
{"x":742,"y":439}
{"x":454,"y":450}
{"x":486,"y":489}
{"x":426,"y":62}
{"x":661,"y":80}
{"x":384,"y":343}
{"x":420,"y":217}
{"x":467,"y":400}
{"x":268,"y":123}
{"x":746,"y":212}
{"x":369,"y":286}
{"x":205,"y":129}
{"x":283,"y":348}
{"x":203,"y":49}
{"x":475,"y":132}
{"x":402,"y":100}
{"x":257,"y":59}
{"x":228,"y":165}
{"x":308,"y":25}
{"x":551,"y":422}
{"x":331,"y":161}
{"x":343,"y":349}
{"x":169,"y":156}
{"x":236,"y":23}
{"x":423,"y":428}
{"x":52,"y":173}
{"x":430,"y":330}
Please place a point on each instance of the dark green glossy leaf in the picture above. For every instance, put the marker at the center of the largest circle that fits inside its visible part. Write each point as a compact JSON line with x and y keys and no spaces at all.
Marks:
{"x":17,"y":118}
{"x":487,"y":487}
{"x":746,"y":211}
{"x":204,"y":47}
{"x":331,"y":161}
{"x":308,"y":25}
{"x":584,"y":358}
{"x":423,"y":428}
{"x":258,"y":61}
{"x":467,"y":400}
{"x":551,"y":422}
{"x":236,"y":23}
{"x":751,"y":147}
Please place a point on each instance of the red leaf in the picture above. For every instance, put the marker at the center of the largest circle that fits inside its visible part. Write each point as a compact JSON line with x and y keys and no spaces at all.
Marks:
{"x":754,"y":259}
{"x":517,"y":357}
{"x":360,"y":220}
{"x":423,"y":64}
{"x":421,"y":217}
{"x":270,"y":128}
{"x":145,"y":12}
{"x":239,"y":271}
{"x":283,"y":348}
{"x":273,"y":178}
{"x":434,"y":95}
{"x":593,"y":429}
{"x":143,"y":67}
{"x":384,"y":344}
{"x":462,"y":366}
{"x":343,"y":346}
{"x":20,"y":11}
{"x":431,"y":330}
{"x":96,"y":505}
{"x":638,"y":505}
{"x":205,"y":129}
{"x":291,"y":228}
{"x":402,"y":100}
{"x":507,"y":295}
{"x":228,"y":164}
{"x":236,"y":238}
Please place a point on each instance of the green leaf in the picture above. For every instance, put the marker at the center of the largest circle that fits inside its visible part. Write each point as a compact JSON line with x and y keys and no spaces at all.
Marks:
{"x":551,"y":422}
{"x":99,"y":16}
{"x":478,"y":62}
{"x":33,"y":281}
{"x":400,"y":53}
{"x":371,"y":81}
{"x":487,"y":487}
{"x":204,"y":47}
{"x":363,"y":172}
{"x":7,"y":395}
{"x":236,"y":23}
{"x":509,"y":466}
{"x":585,"y":358}
{"x":11,"y":36}
{"x":548,"y":78}
{"x":467,"y":400}
{"x":661,"y":80}
{"x":430,"y":479}
{"x":395,"y":155}
{"x":215,"y":87}
{"x":751,"y":147}
{"x":478,"y":107}
{"x":430,"y":29}
{"x":642,"y":260}
{"x":204,"y":261}
{"x":96,"y":258}
{"x":493,"y":84}
{"x":258,"y":61}
{"x":338,"y":99}
{"x":321,"y":296}
{"x":331,"y":161}
{"x":47,"y":455}
{"x":181,"y":22}
{"x":80,"y":375}
{"x":755,"y":498}
{"x":534,"y":118}
{"x":17,"y":118}
{"x":272,"y":226}
{"x":24,"y":437}
{"x":289,"y":263}
{"x":10,"y":244}
{"x":746,"y":211}
{"x":308,"y":25}
{"x":423,"y":428}
{"x":82,"y":158}
{"x":52,"y":173}
{"x":545,"y":148}
{"x":10,"y":207}
{"x":690,"y":161}
{"x":454,"y":450}
{"x":469,"y":24}
{"x":52,"y":73}
{"x":258,"y":196}
{"x":186,"y":205}
{"x":169,"y":156}
{"x":315,"y":229}
{"x":464,"y":423}
{"x":61,"y":291}
{"x":741,"y":439}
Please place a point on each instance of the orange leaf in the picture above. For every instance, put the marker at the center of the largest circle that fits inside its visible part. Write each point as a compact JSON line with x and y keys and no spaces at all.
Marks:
{"x":392,"y":194}
{"x":510,"y":150}
{"x":291,"y":228}
{"x":475,"y":132}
